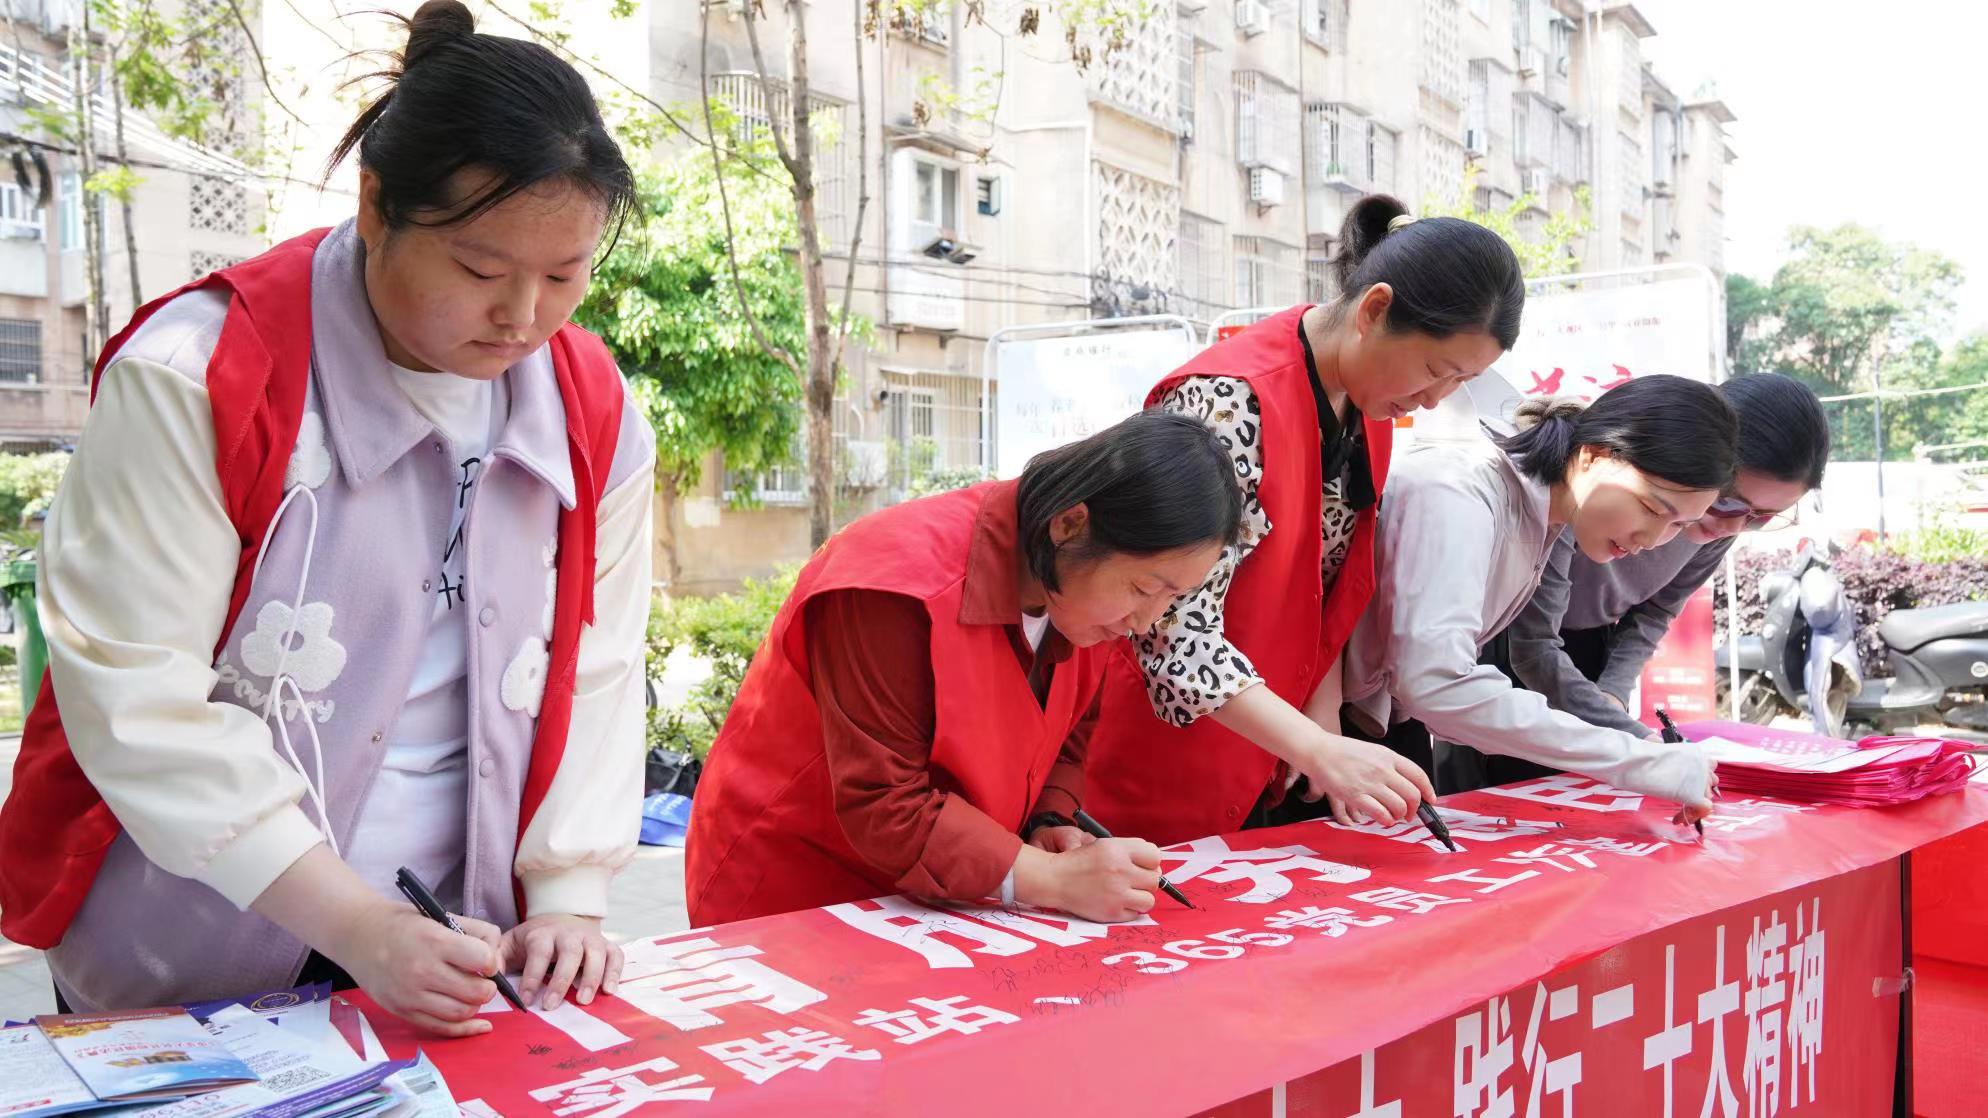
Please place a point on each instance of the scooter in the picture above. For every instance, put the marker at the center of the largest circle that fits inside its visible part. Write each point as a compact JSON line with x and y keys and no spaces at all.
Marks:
{"x":1806,"y":645}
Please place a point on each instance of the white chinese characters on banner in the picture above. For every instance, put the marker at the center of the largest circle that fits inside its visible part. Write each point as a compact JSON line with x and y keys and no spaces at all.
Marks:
{"x":909,"y":924}
{"x":939,"y":1016}
{"x":759,"y":1059}
{"x":1766,"y":992}
{"x":1268,"y":870}
{"x":613,"y":1092}
{"x":1568,"y":790}
{"x":1483,"y":1055}
{"x":684,"y":981}
{"x":1713,"y":1006}
{"x":1329,"y":922}
{"x":1406,"y":900}
{"x":939,"y":934}
{"x":1804,"y":1029}
{"x":1491,"y":884}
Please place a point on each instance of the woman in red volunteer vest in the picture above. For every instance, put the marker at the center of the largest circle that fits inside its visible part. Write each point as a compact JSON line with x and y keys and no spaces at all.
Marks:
{"x":316,"y":582}
{"x":1241,"y":673}
{"x":916,"y":720}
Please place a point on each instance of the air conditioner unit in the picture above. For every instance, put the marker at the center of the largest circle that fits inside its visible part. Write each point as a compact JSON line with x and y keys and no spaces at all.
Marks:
{"x":1252,"y":17}
{"x":1266,"y":187}
{"x":1476,"y":142}
{"x":1532,"y":62}
{"x":1536,"y":181}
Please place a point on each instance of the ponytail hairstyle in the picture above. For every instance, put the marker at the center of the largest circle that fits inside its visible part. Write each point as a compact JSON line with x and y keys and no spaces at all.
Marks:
{"x":1448,"y":275}
{"x":1676,"y":430}
{"x":1153,"y":483}
{"x":460,"y":100}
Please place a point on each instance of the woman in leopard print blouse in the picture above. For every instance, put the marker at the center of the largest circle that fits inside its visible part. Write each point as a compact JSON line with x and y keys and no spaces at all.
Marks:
{"x":1242,"y":672}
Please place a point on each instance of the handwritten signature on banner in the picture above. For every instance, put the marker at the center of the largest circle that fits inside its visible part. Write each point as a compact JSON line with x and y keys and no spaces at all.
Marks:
{"x":727,"y":1013}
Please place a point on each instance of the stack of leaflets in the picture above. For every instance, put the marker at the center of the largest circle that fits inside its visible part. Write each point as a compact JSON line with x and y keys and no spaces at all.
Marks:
{"x":288,"y":1054}
{"x":1809,"y":768}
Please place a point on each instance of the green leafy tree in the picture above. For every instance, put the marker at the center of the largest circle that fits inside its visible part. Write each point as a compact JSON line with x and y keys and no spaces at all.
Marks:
{"x":1545,"y":247}
{"x":1850,"y":312}
{"x":666,"y":302}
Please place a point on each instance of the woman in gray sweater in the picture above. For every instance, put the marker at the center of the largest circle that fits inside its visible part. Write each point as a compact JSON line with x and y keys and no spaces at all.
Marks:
{"x":1591,"y":627}
{"x":1464,"y":535}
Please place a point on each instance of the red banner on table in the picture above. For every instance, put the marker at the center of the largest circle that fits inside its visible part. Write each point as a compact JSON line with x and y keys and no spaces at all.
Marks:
{"x":1313,"y":944}
{"x":1785,"y":1004}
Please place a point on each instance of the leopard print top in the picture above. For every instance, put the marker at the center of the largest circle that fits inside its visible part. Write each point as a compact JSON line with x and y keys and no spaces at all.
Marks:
{"x":1191,"y":669}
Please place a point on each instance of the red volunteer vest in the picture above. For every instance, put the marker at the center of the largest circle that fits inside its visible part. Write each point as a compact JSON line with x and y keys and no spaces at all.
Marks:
{"x":55,"y":830}
{"x":1170,"y":784}
{"x":764,"y":838}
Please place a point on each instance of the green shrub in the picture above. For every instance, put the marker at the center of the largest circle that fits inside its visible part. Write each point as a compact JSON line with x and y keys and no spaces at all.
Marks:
{"x":27,"y":484}
{"x":725,"y":630}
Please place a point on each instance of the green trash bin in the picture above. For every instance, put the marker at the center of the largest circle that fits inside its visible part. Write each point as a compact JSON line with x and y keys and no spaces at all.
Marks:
{"x":20,"y":589}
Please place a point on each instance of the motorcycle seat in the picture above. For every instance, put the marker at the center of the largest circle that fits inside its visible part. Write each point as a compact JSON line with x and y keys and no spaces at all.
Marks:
{"x":1908,"y":629}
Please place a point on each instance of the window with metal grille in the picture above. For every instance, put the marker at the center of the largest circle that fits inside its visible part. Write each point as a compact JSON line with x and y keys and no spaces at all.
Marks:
{"x":1318,"y":268}
{"x":1570,"y":151}
{"x":1325,"y":22}
{"x":1266,"y":122}
{"x":932,"y":426}
{"x":1342,"y":144}
{"x":1632,"y":167}
{"x":20,"y":350}
{"x":1382,"y":144}
{"x":1266,"y":273}
{"x":1200,"y":268}
{"x":757,"y":107}
{"x":69,"y":211}
{"x":787,"y":483}
{"x":19,"y":216}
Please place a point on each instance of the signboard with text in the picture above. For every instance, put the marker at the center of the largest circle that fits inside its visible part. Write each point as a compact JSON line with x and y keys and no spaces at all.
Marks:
{"x":1580,"y":950}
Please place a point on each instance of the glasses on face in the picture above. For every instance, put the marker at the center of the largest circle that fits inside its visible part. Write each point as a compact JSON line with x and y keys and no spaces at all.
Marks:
{"x":1734,"y":508}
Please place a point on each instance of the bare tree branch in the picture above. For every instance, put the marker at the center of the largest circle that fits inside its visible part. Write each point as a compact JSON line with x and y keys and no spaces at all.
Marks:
{"x":795,"y":110}
{"x":261,"y":65}
{"x":862,"y":190}
{"x":553,"y":43}
{"x":725,"y":203}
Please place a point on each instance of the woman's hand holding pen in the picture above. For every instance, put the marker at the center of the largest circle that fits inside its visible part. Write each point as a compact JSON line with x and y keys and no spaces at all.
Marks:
{"x":1694,"y":813}
{"x":416,"y":969}
{"x":1106,"y":880}
{"x":421,"y":971}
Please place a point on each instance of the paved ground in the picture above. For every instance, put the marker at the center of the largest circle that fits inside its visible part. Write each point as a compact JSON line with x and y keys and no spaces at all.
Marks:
{"x":647,"y":899}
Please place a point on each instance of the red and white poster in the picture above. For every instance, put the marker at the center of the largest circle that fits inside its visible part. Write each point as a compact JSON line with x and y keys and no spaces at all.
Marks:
{"x":1311,"y":945}
{"x":1582,"y":343}
{"x":1682,"y":675}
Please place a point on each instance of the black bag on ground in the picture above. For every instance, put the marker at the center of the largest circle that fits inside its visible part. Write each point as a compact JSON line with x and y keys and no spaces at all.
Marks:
{"x":666,"y":770}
